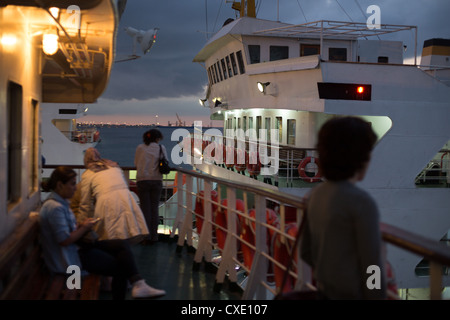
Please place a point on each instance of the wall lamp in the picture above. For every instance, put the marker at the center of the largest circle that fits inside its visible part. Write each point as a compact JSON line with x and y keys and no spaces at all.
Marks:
{"x":262,"y":86}
{"x":202,"y":102}
{"x":268,"y":88}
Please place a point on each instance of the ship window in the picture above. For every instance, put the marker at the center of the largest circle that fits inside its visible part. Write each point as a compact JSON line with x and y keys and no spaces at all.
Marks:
{"x":383,"y":59}
{"x":224,"y":68}
{"x":34,"y":138}
{"x":244,"y":122}
{"x":230,"y":74}
{"x":255,"y":53}
{"x":291,"y":123}
{"x":233,"y":63}
{"x":279,"y":53}
{"x":337,"y":54}
{"x":250,"y":123}
{"x":209,"y":76}
{"x":214,"y":74}
{"x":239,"y":124}
{"x":240,"y":62}
{"x":67,"y":111}
{"x":279,"y":127}
{"x":258,"y":125}
{"x":309,"y":49}
{"x":219,"y":71}
{"x":14,"y":111}
{"x":267,"y":127}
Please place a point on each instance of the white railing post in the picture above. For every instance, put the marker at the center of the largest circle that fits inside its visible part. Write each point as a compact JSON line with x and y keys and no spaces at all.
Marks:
{"x":254,"y":289}
{"x":229,"y":251}
{"x":186,"y":227}
{"x":179,"y":216}
{"x":204,"y":243}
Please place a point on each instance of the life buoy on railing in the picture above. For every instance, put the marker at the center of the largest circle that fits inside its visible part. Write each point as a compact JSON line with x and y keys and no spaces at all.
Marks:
{"x":82,"y":138}
{"x":241,"y":160}
{"x":254,"y":165}
{"x":96,"y":136}
{"x":229,"y":151}
{"x":282,"y":254}
{"x":221,"y":219}
{"x":302,"y":170}
{"x":248,"y":234}
{"x":175,"y":182}
{"x":200,"y":208}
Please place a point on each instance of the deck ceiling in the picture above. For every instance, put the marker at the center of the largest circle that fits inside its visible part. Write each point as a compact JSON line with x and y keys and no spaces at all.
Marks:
{"x":79,"y":71}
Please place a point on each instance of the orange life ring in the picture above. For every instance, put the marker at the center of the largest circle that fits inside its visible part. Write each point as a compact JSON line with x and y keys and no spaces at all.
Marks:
{"x":221,"y":219}
{"x":96,"y":136}
{"x":226,"y":151}
{"x":241,"y":160}
{"x":82,"y":138}
{"x":200,"y":208}
{"x":253,"y":165}
{"x":282,"y":254}
{"x":248,"y":234}
{"x":175,"y":183}
{"x":302,"y":172}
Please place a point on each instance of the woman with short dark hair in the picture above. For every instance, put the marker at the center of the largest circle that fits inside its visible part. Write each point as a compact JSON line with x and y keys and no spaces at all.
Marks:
{"x":342,"y":239}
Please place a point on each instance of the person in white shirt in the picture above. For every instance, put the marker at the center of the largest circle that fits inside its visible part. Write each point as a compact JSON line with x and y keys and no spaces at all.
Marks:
{"x":149,"y":179}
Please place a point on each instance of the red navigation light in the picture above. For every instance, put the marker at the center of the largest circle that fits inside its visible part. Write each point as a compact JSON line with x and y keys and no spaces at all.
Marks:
{"x":360,"y":89}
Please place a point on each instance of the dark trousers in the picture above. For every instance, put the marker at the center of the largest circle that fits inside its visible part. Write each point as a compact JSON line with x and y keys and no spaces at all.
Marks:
{"x":149,"y":192}
{"x":111,"y":258}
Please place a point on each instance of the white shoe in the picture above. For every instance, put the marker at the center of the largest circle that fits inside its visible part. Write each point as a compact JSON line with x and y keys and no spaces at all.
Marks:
{"x":142,"y":290}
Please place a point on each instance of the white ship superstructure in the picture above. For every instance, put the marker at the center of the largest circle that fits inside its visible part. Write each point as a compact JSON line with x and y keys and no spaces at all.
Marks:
{"x":292,"y":78}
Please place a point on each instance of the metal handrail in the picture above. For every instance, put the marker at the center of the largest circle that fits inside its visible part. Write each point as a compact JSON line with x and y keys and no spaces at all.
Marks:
{"x":431,"y":250}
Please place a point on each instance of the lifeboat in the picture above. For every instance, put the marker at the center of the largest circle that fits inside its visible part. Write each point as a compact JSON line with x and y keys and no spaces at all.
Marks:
{"x":200,"y":208}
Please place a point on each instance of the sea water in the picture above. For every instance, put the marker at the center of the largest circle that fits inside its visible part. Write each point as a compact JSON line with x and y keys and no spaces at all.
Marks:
{"x":119,"y":143}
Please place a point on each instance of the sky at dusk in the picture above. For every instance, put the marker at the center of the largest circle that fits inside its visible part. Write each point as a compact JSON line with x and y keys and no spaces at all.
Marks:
{"x":166,"y":82}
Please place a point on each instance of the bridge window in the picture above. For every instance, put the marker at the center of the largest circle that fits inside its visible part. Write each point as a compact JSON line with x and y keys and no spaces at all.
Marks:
{"x":279,"y":53}
{"x":309,"y":50}
{"x":240,"y":62}
{"x":224,"y":68}
{"x":254,"y":53}
{"x":337,"y":54}
{"x":233,"y":63}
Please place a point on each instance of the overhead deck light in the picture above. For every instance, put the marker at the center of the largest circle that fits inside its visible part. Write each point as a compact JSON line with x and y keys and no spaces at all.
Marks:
{"x":50,"y":43}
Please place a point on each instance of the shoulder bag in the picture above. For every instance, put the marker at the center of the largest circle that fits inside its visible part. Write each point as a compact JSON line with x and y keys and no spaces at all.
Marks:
{"x":164,"y":167}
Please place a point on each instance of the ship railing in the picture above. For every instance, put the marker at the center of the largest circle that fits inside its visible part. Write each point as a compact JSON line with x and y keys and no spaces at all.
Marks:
{"x":295,"y":166}
{"x":261,"y":279}
{"x":87,"y":135}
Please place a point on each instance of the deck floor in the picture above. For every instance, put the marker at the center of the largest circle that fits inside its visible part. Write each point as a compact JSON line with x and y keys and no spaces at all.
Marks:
{"x":163,"y":268}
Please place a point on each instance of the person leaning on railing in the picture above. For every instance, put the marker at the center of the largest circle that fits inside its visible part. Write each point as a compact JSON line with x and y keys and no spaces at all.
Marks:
{"x":342,"y":240}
